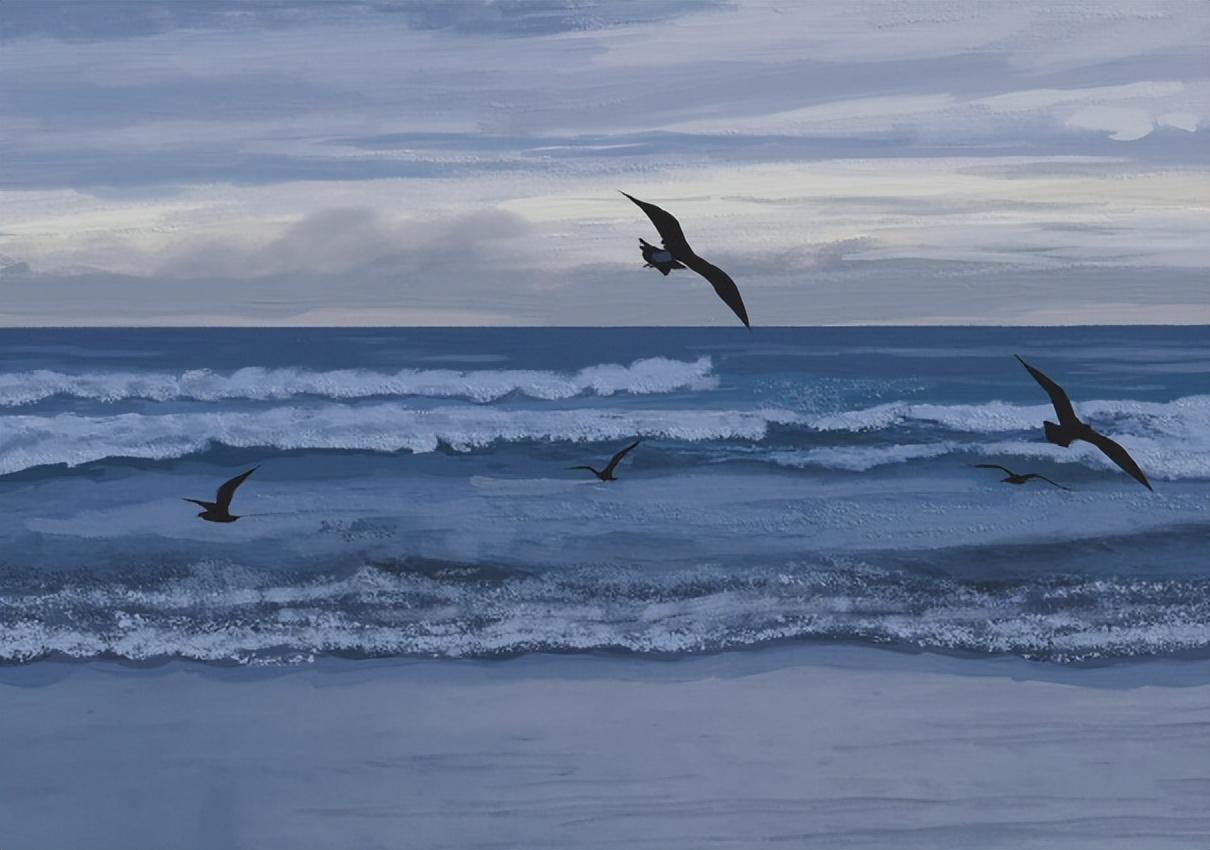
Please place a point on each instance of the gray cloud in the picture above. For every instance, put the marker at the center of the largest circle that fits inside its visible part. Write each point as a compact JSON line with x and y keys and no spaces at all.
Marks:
{"x":101,"y":20}
{"x":264,"y":134}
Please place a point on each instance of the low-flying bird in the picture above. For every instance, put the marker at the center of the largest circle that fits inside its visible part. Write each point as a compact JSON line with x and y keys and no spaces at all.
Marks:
{"x":1070,"y":428}
{"x":677,"y":254}
{"x":220,"y":509}
{"x":1014,"y":478}
{"x":606,"y":474}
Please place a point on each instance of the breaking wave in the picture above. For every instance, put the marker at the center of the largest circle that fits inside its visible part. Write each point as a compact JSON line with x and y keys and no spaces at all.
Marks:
{"x":224,"y":612}
{"x":642,"y":377}
{"x":27,"y":441}
{"x":1185,"y":417}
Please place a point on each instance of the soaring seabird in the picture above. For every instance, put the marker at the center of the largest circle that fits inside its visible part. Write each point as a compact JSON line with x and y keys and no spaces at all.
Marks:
{"x":606,"y":474}
{"x":1014,"y":478}
{"x":678,"y":255}
{"x":220,"y":509}
{"x":1070,"y":428}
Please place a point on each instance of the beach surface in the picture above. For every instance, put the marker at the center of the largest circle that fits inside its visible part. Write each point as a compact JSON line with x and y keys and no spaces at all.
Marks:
{"x":795,"y":746}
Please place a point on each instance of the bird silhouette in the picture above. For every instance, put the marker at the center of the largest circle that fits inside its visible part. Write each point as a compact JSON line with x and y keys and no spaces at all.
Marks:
{"x":658,"y":258}
{"x":1070,"y":428}
{"x":606,"y":474}
{"x":220,"y":509}
{"x":1014,"y":478}
{"x":678,"y":255}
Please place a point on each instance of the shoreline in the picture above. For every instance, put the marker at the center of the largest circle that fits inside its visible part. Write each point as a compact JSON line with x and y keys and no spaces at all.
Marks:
{"x":805,"y":745}
{"x":1179,"y":669}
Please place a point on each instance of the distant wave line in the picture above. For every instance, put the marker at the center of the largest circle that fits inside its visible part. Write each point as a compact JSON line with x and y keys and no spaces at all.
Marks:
{"x":642,"y":377}
{"x":28,"y":441}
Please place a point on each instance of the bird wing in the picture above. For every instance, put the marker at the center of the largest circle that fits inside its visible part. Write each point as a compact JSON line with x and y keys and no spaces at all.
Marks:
{"x":1058,"y":398}
{"x":225,"y":492}
{"x":994,"y":466}
{"x":667,"y":225}
{"x":1118,"y":455}
{"x":589,"y":468}
{"x":207,"y":505}
{"x":722,"y":283}
{"x":613,"y":461}
{"x":1029,"y":475}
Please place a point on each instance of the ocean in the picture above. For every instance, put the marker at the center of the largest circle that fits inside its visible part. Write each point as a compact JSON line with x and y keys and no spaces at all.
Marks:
{"x":413,"y":496}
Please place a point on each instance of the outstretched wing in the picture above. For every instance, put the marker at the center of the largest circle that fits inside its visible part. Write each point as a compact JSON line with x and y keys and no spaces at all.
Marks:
{"x":223,"y":497}
{"x":207,"y":505}
{"x":723,"y":285}
{"x":1043,"y":478}
{"x":994,"y":466}
{"x":1062,"y":404}
{"x":669,"y":228}
{"x":1120,"y":456}
{"x":613,"y":461}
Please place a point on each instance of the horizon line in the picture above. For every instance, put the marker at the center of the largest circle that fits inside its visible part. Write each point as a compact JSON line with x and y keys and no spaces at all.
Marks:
{"x":3,"y":327}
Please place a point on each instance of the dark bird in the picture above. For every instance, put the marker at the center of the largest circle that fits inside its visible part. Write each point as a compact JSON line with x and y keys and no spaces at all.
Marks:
{"x":1070,"y":428}
{"x":658,"y":258}
{"x":678,"y":255}
{"x":220,"y":509}
{"x":1014,"y":478}
{"x":606,"y":474}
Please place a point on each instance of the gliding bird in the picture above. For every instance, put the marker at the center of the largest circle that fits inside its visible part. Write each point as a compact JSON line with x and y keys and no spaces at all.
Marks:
{"x":606,"y":474}
{"x":677,"y":254}
{"x":220,"y":509}
{"x":1070,"y":428}
{"x":1014,"y":478}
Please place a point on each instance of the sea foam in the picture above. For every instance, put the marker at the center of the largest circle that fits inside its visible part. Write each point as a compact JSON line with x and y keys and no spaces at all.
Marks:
{"x":642,"y":377}
{"x":27,"y":441}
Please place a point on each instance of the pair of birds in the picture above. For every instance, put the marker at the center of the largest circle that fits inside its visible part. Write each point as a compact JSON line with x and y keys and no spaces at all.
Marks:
{"x":220,"y":509}
{"x":1066,"y":431}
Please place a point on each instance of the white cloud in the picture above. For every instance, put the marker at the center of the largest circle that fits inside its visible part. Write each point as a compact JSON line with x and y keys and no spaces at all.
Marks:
{"x":1123,"y":123}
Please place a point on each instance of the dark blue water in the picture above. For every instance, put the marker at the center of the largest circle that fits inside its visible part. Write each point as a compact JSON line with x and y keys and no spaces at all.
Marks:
{"x":413,"y":495}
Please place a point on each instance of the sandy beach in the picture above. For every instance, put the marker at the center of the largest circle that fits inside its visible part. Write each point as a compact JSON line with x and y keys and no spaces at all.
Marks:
{"x":785,"y":747}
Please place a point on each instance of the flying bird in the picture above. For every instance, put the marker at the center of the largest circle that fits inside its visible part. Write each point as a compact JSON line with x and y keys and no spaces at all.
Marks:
{"x":220,"y":509}
{"x":1070,"y":428}
{"x":677,"y":254}
{"x":1014,"y":478}
{"x":606,"y":474}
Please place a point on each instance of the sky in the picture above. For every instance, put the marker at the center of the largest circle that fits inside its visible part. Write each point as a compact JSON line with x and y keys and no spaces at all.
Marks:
{"x":457,"y":162}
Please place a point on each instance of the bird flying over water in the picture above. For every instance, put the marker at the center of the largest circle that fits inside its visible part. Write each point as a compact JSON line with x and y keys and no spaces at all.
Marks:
{"x":1014,"y":478}
{"x":1070,"y":428}
{"x":220,"y":509}
{"x":677,"y":254}
{"x":606,"y":474}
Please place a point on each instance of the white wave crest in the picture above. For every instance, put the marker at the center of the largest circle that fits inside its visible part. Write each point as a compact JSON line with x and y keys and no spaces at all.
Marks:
{"x":219,"y":613}
{"x":858,"y":458}
{"x":27,"y":441}
{"x":1162,"y":460}
{"x":642,"y":377}
{"x":1183,"y":417}
{"x":1170,"y":440}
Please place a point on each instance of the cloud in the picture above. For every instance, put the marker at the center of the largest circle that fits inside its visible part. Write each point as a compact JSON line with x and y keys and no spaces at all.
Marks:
{"x":351,"y":240}
{"x":437,"y":160}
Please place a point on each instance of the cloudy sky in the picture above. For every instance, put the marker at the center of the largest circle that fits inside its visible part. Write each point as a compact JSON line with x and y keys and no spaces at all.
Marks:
{"x":457,"y":161}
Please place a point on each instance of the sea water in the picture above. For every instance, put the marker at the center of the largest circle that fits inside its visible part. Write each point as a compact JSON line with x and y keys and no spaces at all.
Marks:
{"x":413,"y":495}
